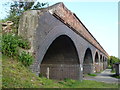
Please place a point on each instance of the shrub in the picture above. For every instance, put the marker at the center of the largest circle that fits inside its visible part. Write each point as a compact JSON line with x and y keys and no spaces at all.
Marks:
{"x":25,"y":58}
{"x":9,"y":45}
{"x":112,"y":60}
{"x":23,"y":43}
{"x":10,"y":42}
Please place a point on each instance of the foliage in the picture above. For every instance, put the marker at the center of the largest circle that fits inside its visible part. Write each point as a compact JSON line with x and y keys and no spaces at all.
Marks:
{"x":25,"y":44}
{"x":15,"y":20}
{"x":18,"y":7}
{"x":10,"y":42}
{"x":15,"y":75}
{"x":39,"y":5}
{"x":25,"y":58}
{"x":113,"y":71}
{"x":109,"y":67}
{"x":9,"y":45}
{"x":112,"y":60}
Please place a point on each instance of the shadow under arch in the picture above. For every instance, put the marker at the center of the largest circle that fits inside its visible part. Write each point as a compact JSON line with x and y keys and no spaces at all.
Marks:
{"x":101,"y":62}
{"x":88,"y":62}
{"x":97,"y":66}
{"x":61,"y":60}
{"x":104,"y":63}
{"x":101,"y":59}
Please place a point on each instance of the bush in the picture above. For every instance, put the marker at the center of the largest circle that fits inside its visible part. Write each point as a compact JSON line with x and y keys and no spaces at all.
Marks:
{"x":10,"y":42}
{"x":112,"y":60}
{"x":25,"y":58}
{"x":23,"y":43}
{"x":9,"y":45}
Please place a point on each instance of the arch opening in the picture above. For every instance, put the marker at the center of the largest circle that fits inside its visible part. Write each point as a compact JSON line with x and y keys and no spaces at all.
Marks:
{"x":97,"y":66}
{"x":96,"y":58}
{"x":88,"y":62}
{"x":61,"y":60}
{"x":101,"y":62}
{"x":105,"y":63}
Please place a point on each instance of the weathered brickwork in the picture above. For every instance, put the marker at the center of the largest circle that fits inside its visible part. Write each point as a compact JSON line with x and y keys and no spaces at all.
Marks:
{"x":71,"y":19}
{"x":43,"y":27}
{"x":61,"y":71}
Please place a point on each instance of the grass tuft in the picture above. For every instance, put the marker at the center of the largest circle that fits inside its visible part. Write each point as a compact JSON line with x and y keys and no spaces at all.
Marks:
{"x":91,"y":74}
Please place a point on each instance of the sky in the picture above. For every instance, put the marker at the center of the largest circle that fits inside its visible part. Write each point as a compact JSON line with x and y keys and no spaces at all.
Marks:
{"x":101,"y":19}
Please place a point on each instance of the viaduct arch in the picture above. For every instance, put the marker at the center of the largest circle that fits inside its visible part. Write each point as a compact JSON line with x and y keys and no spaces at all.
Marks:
{"x":61,"y":44}
{"x":88,"y":62}
{"x":61,"y":58}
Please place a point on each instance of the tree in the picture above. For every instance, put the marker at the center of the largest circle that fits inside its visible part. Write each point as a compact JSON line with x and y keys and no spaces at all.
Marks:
{"x":112,"y":60}
{"x":18,"y":7}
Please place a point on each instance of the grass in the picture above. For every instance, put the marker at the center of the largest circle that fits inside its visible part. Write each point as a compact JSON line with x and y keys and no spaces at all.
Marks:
{"x":15,"y":75}
{"x":91,"y":74}
{"x":0,"y":71}
{"x":113,"y":71}
{"x":115,"y":76}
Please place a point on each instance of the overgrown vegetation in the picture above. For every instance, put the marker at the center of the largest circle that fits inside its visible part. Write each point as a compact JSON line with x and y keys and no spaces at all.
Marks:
{"x":11,"y":41}
{"x":23,"y":43}
{"x":15,"y":75}
{"x":25,"y":58}
{"x":111,"y":62}
{"x":10,"y":44}
{"x":17,"y":8}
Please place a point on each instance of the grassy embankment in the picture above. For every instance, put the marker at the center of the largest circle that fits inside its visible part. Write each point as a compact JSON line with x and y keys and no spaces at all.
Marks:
{"x":15,"y":75}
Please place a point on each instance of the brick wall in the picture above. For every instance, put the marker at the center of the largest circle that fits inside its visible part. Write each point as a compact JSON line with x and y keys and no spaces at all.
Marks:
{"x":61,"y":71}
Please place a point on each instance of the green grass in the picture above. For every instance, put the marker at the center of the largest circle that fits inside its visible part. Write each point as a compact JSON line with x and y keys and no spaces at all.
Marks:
{"x":113,"y":71}
{"x":0,"y":71}
{"x":91,"y":74}
{"x":115,"y":76}
{"x":15,"y":75}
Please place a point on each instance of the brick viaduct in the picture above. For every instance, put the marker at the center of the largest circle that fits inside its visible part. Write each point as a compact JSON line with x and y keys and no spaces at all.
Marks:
{"x":61,"y":44}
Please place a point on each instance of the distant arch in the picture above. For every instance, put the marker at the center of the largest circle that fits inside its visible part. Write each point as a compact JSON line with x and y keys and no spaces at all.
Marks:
{"x":101,"y":59}
{"x":96,"y":57}
{"x":101,"y":62}
{"x":88,"y":62}
{"x":97,"y":66}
